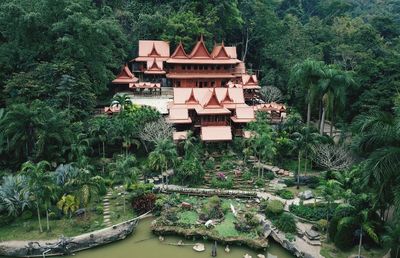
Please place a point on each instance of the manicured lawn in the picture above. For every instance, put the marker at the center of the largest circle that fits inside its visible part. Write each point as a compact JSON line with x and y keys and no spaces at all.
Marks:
{"x":188,"y":217}
{"x":226,"y":228}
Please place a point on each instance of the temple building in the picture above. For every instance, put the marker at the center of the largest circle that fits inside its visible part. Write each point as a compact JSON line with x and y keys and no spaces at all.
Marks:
{"x":212,"y":93}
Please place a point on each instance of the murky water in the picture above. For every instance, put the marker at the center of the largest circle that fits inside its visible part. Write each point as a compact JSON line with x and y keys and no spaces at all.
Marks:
{"x":143,"y":244}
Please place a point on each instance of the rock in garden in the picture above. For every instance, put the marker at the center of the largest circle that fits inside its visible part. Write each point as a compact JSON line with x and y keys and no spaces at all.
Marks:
{"x":199,"y":247}
{"x":260,"y":256}
{"x":161,"y":238}
{"x":247,"y":256}
{"x":227,"y":249}
{"x":186,"y":205}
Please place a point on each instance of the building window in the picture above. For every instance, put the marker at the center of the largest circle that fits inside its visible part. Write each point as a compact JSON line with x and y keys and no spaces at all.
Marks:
{"x":218,"y":67}
{"x":201,"y":84}
{"x":212,"y":67}
{"x":189,"y":67}
{"x":213,"y":84}
{"x":183,"y":67}
{"x":206,"y":84}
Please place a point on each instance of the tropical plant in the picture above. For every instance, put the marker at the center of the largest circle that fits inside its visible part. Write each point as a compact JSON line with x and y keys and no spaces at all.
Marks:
{"x":330,"y":191}
{"x":121,"y":100}
{"x":163,"y":156}
{"x":286,"y":223}
{"x":40,"y":185}
{"x":14,"y":195}
{"x":308,"y":75}
{"x":68,"y":204}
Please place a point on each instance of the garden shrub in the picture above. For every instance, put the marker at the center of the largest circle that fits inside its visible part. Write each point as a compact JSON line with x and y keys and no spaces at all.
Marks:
{"x":289,"y":182}
{"x":344,"y":210}
{"x":286,"y":223}
{"x":54,"y":216}
{"x":285,"y":194}
{"x":332,"y":228}
{"x":189,"y":172}
{"x":246,"y":222}
{"x":212,"y":209}
{"x":210,"y":163}
{"x":259,"y":182}
{"x":270,"y":175}
{"x":313,"y":182}
{"x":322,"y":225}
{"x":26,"y":215}
{"x":311,"y":212}
{"x":218,"y":183}
{"x":99,"y":209}
{"x":227,"y":165}
{"x":344,"y":238}
{"x":144,"y":203}
{"x":5,"y":220}
{"x":273,"y":208}
{"x":247,"y":175}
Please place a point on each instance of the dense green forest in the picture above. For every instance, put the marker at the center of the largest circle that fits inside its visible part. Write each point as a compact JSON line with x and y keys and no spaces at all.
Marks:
{"x":58,"y":57}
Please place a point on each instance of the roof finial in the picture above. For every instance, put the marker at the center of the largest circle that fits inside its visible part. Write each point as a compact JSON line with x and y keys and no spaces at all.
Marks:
{"x":201,"y":37}
{"x":222,"y":43}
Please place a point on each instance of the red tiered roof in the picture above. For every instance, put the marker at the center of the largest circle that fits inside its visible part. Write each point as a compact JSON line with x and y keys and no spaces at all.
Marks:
{"x":179,"y":52}
{"x":125,"y":76}
{"x":200,"y":50}
{"x":220,"y":52}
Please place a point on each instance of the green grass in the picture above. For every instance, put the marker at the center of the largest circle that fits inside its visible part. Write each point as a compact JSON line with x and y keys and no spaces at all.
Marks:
{"x":117,"y":212}
{"x":226,"y":228}
{"x":292,"y":164}
{"x":188,"y":217}
{"x":29,"y":229}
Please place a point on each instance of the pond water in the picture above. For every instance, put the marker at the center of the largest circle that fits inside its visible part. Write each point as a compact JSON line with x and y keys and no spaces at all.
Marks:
{"x":143,"y":244}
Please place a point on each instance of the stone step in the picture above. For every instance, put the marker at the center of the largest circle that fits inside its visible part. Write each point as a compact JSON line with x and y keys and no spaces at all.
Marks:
{"x":106,"y":217}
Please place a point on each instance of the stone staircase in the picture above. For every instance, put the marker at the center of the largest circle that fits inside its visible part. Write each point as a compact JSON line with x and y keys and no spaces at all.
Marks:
{"x":106,"y":209}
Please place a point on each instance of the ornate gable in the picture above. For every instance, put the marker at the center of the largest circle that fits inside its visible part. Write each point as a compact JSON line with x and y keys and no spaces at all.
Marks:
{"x":179,"y":52}
{"x":200,"y":50}
{"x":154,"y":51}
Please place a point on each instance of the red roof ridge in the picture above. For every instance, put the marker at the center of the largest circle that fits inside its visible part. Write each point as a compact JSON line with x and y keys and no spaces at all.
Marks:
{"x":227,"y":98}
{"x":200,"y":50}
{"x":222,"y":52}
{"x":154,"y":65}
{"x":179,"y":52}
{"x":154,"y":51}
{"x":213,"y":100}
{"x":192,"y":98}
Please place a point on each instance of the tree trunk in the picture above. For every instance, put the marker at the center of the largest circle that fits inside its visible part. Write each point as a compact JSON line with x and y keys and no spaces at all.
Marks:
{"x":259,"y":166}
{"x":124,"y":200}
{"x":47,"y":219}
{"x":38,"y":214}
{"x":308,"y":114}
{"x":305,"y":164}
{"x":319,"y":115}
{"x":298,"y":170}
{"x":332,"y":123}
{"x":321,"y":130}
{"x":104,"y":150}
{"x":360,"y":243}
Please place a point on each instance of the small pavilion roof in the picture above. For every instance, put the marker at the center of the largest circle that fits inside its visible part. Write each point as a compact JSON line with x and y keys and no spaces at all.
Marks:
{"x":248,"y":79}
{"x":243,"y":115}
{"x":179,"y":115}
{"x":273,"y":106}
{"x":216,"y":133}
{"x":153,"y":48}
{"x":125,"y":76}
{"x":154,"y":67}
{"x":202,"y":95}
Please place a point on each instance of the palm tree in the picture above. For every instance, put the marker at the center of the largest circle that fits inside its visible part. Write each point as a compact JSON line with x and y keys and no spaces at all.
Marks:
{"x":18,"y":129}
{"x":330,"y":190}
{"x":99,"y":130}
{"x":392,"y":237}
{"x":124,"y":170}
{"x":122,"y":100}
{"x":163,"y":156}
{"x":379,"y":141}
{"x":261,"y":142}
{"x":308,"y":76}
{"x":333,"y":88}
{"x":303,"y":140}
{"x":39,"y":183}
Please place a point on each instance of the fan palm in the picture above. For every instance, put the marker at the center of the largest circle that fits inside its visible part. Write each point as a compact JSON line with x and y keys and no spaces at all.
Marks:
{"x":68,"y":204}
